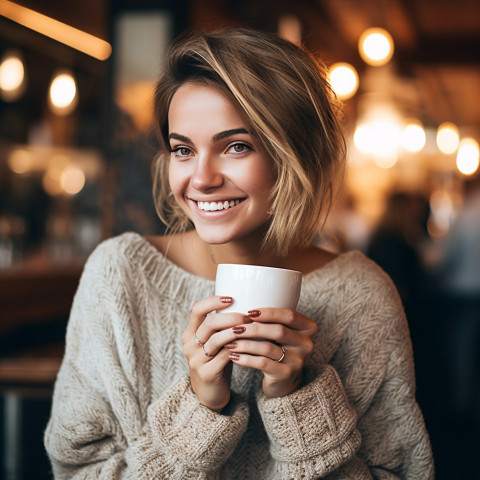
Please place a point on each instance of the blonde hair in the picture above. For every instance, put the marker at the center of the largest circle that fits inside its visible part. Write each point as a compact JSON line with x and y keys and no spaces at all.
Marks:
{"x":283,"y":92}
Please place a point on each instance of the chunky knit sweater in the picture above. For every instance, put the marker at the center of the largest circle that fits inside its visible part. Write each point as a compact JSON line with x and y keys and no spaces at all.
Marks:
{"x":123,"y":407}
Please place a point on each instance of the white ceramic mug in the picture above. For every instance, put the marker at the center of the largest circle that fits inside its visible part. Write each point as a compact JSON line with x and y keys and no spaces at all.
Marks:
{"x":253,"y":286}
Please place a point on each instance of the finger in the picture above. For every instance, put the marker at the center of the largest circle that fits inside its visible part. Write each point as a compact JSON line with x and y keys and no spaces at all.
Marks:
{"x":199,"y":311}
{"x":258,"y":348}
{"x":216,"y":322}
{"x":264,"y":364}
{"x":275,"y":332}
{"x":285,"y":316}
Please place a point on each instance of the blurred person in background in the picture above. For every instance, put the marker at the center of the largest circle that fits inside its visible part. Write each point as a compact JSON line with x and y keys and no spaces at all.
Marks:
{"x":459,"y":278}
{"x":156,"y":381}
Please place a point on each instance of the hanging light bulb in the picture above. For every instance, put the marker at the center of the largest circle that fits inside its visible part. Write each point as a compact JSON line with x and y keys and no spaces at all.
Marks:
{"x":468,"y":156}
{"x":344,"y":80}
{"x":413,"y":136}
{"x":376,"y":46}
{"x":12,"y":77}
{"x":62,"y":95}
{"x":447,"y":137}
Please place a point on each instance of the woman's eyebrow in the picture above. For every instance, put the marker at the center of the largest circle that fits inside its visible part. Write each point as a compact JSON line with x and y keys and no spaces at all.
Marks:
{"x":228,"y":133}
{"x":180,"y":138}
{"x":215,"y":138}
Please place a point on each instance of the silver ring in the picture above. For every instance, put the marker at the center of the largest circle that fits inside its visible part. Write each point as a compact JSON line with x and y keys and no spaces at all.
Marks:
{"x":206,"y":353}
{"x":283,"y":355}
{"x":195,"y":339}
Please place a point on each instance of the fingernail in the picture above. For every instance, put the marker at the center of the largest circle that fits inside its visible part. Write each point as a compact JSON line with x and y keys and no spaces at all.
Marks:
{"x":238,"y":330}
{"x":247,"y":320}
{"x":254,"y":313}
{"x":231,"y":345}
{"x":226,"y":299}
{"x":234,"y":356}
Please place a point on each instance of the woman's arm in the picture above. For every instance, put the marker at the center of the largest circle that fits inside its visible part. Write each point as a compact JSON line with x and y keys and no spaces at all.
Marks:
{"x":104,"y":423}
{"x":357,"y":417}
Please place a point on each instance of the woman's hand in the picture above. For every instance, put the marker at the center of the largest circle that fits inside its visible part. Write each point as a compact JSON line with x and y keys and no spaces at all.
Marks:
{"x":203,"y":345}
{"x":259,"y":345}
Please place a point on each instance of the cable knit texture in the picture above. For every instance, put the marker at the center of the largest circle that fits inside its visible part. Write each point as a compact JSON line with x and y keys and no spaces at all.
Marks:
{"x":123,"y":407}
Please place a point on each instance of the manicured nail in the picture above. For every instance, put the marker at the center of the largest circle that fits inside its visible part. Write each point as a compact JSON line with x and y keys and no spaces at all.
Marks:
{"x":234,"y":356}
{"x":232,"y":345}
{"x":254,"y":313}
{"x":226,"y":299}
{"x":247,"y":320}
{"x":238,"y":330}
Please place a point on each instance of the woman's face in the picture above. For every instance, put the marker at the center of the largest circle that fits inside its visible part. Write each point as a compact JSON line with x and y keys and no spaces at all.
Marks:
{"x":218,"y":172}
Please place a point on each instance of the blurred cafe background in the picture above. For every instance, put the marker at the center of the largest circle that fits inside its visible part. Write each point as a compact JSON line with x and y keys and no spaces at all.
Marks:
{"x":76,"y":145}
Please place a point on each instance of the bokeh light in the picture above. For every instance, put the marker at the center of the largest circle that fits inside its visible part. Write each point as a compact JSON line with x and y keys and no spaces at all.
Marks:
{"x":63,"y":93}
{"x":12,"y":77}
{"x":447,"y":137}
{"x":376,"y":46}
{"x":468,"y":156}
{"x":344,"y":80}
{"x":413,"y":137}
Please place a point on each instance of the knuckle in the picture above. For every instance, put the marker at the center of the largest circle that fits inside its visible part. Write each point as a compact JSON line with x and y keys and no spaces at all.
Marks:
{"x":197,"y":309}
{"x":290,"y":316}
{"x":280,"y":331}
{"x":309,"y":345}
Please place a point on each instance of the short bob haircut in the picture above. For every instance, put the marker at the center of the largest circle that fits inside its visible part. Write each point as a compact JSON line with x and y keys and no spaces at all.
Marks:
{"x":283,"y":94}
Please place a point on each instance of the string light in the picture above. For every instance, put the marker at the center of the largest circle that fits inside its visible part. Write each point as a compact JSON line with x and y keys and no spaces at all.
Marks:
{"x":468,"y":156}
{"x":447,"y":137}
{"x":344,"y":80}
{"x":376,"y":46}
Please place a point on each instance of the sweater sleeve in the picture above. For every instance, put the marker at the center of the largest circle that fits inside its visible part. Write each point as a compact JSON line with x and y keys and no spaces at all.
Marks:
{"x":103,"y":424}
{"x":357,"y":417}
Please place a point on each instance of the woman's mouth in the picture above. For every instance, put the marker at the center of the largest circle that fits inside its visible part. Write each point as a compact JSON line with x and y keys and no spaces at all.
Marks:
{"x":214,"y":206}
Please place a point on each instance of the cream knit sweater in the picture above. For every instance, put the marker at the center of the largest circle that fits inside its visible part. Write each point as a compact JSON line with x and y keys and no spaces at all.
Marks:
{"x":123,"y":407}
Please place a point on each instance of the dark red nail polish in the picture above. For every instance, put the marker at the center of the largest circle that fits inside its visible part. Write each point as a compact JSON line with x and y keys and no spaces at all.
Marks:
{"x":231,"y":345}
{"x":247,"y":320}
{"x":238,"y":330}
{"x":226,"y":299}
{"x":234,"y":356}
{"x":254,"y":313}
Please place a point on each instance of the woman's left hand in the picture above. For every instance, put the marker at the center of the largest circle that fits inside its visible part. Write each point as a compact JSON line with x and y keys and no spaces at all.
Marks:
{"x":260,"y":344}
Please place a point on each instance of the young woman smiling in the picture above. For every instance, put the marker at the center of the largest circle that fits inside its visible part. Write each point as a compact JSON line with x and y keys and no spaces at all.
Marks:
{"x":156,"y":381}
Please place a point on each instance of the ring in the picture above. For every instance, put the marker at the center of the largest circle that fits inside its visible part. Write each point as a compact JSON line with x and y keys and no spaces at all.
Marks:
{"x":206,"y":353}
{"x":195,"y":339}
{"x":282,"y":357}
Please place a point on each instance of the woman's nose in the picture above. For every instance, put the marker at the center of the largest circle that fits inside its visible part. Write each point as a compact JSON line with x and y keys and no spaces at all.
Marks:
{"x":207,"y":174}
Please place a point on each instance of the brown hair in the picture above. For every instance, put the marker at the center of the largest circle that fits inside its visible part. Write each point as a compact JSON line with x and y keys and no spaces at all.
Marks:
{"x":283,"y":92}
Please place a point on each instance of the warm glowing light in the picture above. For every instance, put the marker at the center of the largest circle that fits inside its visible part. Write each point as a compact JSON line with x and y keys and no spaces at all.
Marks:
{"x":376,"y":46}
{"x":61,"y":32}
{"x":447,"y":137}
{"x":51,"y":180}
{"x":20,"y":161}
{"x":12,"y":77}
{"x":63,"y":93}
{"x":468,"y":156}
{"x":380,"y":139}
{"x":413,"y":137}
{"x":363,"y":138}
{"x":344,"y":80}
{"x":72,"y":180}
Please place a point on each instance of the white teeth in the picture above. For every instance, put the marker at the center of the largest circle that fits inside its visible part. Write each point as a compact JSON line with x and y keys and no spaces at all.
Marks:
{"x":212,"y":206}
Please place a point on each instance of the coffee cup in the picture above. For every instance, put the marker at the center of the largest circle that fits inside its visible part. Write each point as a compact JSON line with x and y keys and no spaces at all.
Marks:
{"x":254,"y":286}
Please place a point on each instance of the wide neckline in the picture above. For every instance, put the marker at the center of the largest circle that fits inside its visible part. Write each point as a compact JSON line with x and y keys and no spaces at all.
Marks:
{"x":160,"y":256}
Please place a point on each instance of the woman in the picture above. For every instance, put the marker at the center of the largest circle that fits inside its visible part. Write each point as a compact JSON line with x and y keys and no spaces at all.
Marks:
{"x":155,"y":385}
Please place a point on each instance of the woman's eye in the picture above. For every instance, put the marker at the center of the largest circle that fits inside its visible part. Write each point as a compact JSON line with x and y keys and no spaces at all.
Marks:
{"x":239,"y":148}
{"x":181,"y":151}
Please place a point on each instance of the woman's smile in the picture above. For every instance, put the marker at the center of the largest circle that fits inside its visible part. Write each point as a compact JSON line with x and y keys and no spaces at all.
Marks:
{"x":218,"y":171}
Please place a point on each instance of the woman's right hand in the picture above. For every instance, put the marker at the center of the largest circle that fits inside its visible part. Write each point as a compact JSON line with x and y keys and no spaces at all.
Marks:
{"x":210,"y":375}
